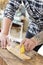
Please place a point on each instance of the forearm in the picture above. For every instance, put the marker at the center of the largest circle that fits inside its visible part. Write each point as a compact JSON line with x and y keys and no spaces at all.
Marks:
{"x":39,"y":38}
{"x":5,"y":26}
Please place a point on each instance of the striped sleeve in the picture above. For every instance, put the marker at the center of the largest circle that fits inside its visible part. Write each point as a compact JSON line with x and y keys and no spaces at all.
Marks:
{"x":11,"y":8}
{"x":35,"y":11}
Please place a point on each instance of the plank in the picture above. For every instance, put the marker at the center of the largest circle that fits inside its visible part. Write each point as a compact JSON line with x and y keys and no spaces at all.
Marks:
{"x":16,"y":52}
{"x":11,"y":59}
{"x":0,"y":61}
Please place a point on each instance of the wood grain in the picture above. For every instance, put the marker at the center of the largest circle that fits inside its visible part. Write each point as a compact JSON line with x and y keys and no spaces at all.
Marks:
{"x":11,"y":59}
{"x":16,"y":52}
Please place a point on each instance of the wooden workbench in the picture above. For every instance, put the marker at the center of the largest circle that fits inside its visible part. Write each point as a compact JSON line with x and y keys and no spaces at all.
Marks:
{"x":6,"y":58}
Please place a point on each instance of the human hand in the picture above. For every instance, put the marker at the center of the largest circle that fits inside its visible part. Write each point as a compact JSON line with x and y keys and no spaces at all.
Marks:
{"x":29,"y":44}
{"x":4,"y":40}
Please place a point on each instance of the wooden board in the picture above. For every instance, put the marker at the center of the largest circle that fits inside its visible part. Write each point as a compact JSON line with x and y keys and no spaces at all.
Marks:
{"x":11,"y":59}
{"x":2,"y":62}
{"x":16,"y":51}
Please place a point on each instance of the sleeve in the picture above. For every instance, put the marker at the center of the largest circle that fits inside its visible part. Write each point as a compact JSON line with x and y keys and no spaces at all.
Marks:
{"x":29,"y":35}
{"x":11,"y":8}
{"x":33,"y":29}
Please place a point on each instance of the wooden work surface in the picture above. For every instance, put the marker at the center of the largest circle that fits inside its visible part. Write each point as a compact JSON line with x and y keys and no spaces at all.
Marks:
{"x":6,"y":58}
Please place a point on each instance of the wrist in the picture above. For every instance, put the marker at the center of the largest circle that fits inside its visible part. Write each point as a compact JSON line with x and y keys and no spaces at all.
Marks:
{"x":35,"y":41}
{"x":4,"y":33}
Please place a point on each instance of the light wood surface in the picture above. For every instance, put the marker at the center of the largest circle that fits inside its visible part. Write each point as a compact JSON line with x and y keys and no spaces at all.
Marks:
{"x":16,"y":51}
{"x":6,"y":58}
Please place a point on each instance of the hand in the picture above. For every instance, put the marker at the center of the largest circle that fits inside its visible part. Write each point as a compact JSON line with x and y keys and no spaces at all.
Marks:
{"x":4,"y":40}
{"x":29,"y":44}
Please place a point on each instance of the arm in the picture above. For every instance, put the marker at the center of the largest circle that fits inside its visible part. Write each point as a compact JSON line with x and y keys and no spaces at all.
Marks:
{"x":9,"y":12}
{"x":38,"y":38}
{"x":30,"y":44}
{"x":5,"y":26}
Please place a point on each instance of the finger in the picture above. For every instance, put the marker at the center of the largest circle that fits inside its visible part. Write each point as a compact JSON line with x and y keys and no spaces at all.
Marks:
{"x":26,"y":45}
{"x":2,"y":43}
{"x":5,"y":43}
{"x":8,"y":42}
{"x":30,"y":47}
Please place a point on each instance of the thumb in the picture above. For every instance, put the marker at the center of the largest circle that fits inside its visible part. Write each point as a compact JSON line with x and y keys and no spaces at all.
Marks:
{"x":22,"y":42}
